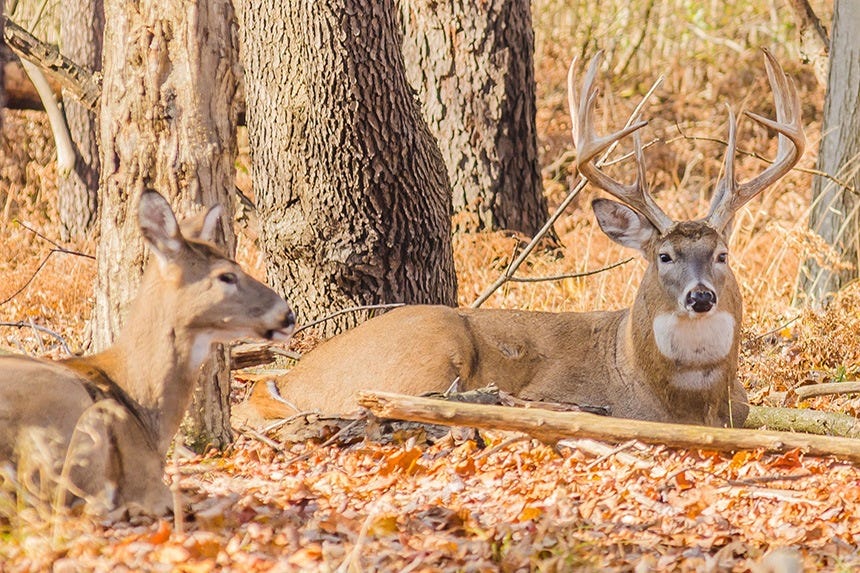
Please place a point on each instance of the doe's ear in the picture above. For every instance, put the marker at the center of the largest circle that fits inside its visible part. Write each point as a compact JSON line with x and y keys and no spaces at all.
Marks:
{"x":158,"y":225}
{"x":203,"y":226}
{"x":623,"y":225}
{"x":210,"y":224}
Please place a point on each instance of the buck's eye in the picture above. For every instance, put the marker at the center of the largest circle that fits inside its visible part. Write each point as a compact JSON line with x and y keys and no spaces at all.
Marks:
{"x":722,"y":257}
{"x":665,"y":257}
{"x":228,"y":278}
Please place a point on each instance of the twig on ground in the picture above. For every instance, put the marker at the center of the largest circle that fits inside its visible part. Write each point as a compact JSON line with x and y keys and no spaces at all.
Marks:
{"x":329,"y":441}
{"x":827,"y":389}
{"x":35,"y":330}
{"x":772,"y":331}
{"x":57,"y":249}
{"x":255,"y":435}
{"x":571,"y":275}
{"x":626,"y":445}
{"x":498,"y":447}
{"x":176,"y":492}
{"x":42,"y":329}
{"x":346,"y":310}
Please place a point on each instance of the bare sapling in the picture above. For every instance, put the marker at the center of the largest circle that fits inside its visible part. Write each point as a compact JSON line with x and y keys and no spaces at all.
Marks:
{"x":672,"y":356}
{"x":190,"y":297}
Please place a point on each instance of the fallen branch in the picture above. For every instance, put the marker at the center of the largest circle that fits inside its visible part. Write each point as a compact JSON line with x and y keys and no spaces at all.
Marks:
{"x":827,"y":389}
{"x":551,"y":427}
{"x":80,"y":82}
{"x":806,"y":421}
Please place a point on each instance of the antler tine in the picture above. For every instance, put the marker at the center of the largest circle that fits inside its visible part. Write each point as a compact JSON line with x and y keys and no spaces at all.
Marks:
{"x":731,"y":195}
{"x":589,"y":146}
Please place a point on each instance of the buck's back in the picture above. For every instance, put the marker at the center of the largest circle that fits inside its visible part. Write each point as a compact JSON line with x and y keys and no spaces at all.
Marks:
{"x":421,"y":348}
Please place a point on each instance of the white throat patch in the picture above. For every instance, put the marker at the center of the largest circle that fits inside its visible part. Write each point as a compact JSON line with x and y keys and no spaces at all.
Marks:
{"x":200,"y":349}
{"x":696,"y":341}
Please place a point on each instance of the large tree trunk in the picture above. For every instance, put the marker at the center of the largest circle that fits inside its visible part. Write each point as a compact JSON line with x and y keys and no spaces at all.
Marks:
{"x":353,"y":199}
{"x":81,"y":28}
{"x":834,"y":213}
{"x":472,"y":64}
{"x":167,"y":123}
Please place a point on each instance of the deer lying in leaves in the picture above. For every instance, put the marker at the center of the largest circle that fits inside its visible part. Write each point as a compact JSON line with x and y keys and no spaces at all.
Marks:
{"x":671,"y":357}
{"x":113,"y":415}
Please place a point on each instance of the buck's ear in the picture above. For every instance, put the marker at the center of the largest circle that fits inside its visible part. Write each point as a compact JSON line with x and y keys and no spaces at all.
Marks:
{"x":158,"y":225}
{"x":623,"y":225}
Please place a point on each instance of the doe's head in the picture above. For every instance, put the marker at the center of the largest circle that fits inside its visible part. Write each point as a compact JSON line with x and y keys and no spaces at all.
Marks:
{"x":213,"y":294}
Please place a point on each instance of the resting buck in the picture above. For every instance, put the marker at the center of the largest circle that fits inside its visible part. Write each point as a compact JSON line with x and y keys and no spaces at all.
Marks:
{"x":671,"y":357}
{"x":109,"y":418}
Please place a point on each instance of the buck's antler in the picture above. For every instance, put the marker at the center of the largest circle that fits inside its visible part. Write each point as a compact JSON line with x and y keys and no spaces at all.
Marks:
{"x":589,"y":146}
{"x":731,"y":195}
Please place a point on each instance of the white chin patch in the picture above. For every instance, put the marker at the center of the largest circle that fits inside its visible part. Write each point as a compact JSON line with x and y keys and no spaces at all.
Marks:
{"x":697,"y":341}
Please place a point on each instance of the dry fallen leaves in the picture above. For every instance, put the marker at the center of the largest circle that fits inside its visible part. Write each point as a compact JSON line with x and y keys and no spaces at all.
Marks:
{"x":526,"y":505}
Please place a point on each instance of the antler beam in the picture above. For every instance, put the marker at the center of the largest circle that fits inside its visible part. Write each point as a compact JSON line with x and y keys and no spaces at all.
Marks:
{"x":730,"y":195}
{"x":589,"y":146}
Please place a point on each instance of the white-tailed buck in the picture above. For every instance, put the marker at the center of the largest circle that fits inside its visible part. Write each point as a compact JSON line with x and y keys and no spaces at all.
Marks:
{"x":671,"y":357}
{"x":109,"y":418}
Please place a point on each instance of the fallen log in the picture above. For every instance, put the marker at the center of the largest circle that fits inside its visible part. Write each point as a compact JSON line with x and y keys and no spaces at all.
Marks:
{"x":549,"y":426}
{"x":807,"y":421}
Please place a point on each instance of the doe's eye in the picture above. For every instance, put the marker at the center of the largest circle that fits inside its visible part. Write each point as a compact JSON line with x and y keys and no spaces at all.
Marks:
{"x":722,"y":257}
{"x":665,"y":257}
{"x":228,"y":278}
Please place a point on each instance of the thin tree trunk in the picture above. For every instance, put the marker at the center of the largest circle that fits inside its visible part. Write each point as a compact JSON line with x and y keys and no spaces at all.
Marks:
{"x":472,"y":64}
{"x":81,"y":28}
{"x":167,"y":123}
{"x":352,"y":193}
{"x":834,"y":213}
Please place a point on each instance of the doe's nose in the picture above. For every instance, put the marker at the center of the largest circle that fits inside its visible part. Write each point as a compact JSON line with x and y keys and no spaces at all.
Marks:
{"x":701,"y":299}
{"x":289,"y":319}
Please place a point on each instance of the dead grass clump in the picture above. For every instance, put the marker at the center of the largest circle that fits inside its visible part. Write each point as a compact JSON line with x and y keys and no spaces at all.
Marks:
{"x":58,"y":294}
{"x":816,"y":347}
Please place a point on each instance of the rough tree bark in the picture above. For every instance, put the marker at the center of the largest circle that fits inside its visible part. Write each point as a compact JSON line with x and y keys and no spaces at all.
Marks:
{"x":814,"y":41}
{"x":352,"y":193}
{"x":167,"y":123}
{"x":472,"y":64}
{"x":835,"y":211}
{"x":81,"y":27}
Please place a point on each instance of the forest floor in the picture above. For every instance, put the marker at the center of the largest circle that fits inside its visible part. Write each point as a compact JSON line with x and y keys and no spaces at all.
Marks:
{"x":499,"y":501}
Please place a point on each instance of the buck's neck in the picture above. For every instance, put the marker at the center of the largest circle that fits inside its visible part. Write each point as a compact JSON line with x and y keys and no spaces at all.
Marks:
{"x":679,"y":352}
{"x":156,"y":359}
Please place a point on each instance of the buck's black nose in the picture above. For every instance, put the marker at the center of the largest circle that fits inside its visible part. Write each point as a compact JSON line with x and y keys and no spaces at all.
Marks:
{"x":701,"y":299}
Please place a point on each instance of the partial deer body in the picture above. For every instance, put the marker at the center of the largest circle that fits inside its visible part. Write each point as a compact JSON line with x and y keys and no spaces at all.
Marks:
{"x":111,"y":417}
{"x":670,"y":357}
